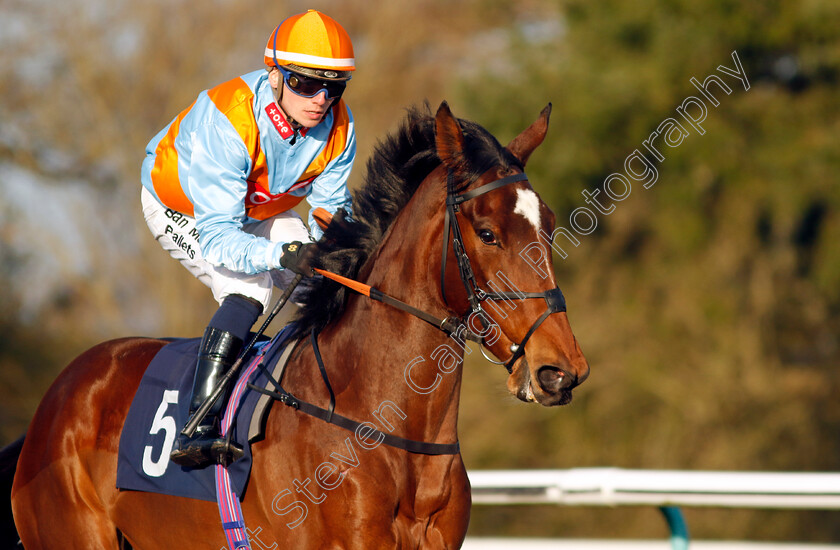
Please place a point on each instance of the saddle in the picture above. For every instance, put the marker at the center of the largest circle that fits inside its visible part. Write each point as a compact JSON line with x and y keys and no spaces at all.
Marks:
{"x":161,"y":407}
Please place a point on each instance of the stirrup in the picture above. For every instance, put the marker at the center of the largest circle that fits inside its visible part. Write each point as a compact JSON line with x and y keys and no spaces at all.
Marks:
{"x":204,"y":450}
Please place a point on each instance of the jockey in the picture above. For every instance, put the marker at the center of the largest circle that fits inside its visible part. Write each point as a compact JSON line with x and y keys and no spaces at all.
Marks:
{"x":220,"y":182}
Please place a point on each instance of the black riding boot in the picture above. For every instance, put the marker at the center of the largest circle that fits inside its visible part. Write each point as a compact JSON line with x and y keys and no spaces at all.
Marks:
{"x":219,"y":350}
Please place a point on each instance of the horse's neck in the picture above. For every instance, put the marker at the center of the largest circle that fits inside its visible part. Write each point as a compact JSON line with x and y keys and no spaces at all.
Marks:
{"x":377,"y":355}
{"x":392,"y":362}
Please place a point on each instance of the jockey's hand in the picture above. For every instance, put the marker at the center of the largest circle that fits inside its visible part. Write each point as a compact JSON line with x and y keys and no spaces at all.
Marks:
{"x":297,"y":257}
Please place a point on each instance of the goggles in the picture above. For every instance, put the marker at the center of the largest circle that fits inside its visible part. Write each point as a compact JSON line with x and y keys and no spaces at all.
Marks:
{"x":306,"y":86}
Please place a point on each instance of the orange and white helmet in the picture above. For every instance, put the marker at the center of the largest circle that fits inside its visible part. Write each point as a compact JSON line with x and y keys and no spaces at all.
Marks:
{"x":313,"y":44}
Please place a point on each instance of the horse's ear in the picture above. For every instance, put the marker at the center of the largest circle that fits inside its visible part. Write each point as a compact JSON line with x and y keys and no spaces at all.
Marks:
{"x":449,"y":139}
{"x":524,"y":144}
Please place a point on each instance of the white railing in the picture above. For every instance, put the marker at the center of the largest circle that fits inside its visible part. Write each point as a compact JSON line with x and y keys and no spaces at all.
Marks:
{"x":586,"y":544}
{"x":666,"y":489}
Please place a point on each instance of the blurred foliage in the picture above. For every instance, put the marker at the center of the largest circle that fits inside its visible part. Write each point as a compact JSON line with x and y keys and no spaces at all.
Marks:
{"x":707,"y":305}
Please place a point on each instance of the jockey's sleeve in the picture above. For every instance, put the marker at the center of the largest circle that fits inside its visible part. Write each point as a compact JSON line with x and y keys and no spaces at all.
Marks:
{"x":219,"y":167}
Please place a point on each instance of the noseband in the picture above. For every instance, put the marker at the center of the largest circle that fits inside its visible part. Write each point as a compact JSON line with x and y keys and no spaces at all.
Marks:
{"x":554,"y":299}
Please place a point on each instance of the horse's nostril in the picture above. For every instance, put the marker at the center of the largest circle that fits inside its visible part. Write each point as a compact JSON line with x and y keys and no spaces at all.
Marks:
{"x":553,"y":379}
{"x":549,"y":375}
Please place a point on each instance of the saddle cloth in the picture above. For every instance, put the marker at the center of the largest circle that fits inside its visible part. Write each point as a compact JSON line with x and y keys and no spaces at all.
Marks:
{"x":161,"y":408}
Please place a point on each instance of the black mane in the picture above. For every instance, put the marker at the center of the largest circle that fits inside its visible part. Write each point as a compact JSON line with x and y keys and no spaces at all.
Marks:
{"x":394,"y":172}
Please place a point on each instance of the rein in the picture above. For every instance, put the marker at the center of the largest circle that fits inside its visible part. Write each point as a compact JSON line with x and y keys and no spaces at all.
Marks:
{"x":447,"y":325}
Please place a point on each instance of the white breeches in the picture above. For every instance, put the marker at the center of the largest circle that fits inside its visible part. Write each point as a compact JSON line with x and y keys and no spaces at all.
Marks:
{"x":177,"y":234}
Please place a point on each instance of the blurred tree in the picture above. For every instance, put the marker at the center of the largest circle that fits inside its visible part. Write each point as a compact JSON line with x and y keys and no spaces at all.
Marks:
{"x":708,"y":303}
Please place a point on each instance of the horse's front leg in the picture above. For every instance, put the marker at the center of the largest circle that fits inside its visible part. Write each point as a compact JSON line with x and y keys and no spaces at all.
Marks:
{"x":446,"y":507}
{"x":446,"y":529}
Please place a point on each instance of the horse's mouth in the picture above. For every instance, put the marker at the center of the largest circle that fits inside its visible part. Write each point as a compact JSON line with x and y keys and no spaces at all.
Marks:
{"x":527,"y":394}
{"x":550,"y":390}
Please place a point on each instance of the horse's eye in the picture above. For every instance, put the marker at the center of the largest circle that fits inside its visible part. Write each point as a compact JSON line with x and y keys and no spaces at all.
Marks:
{"x":487,"y":236}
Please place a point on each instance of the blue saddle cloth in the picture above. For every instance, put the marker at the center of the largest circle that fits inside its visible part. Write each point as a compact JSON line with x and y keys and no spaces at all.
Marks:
{"x":161,"y":408}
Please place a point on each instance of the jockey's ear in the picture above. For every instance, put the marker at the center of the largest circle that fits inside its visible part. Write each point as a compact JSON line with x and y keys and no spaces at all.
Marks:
{"x":524,"y":144}
{"x":274,"y":78}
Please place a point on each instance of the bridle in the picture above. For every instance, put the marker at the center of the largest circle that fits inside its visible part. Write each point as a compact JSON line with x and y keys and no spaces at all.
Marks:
{"x":554,"y":299}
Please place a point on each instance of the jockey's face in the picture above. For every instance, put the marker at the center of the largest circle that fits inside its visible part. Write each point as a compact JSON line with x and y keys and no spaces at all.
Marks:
{"x":308,"y":111}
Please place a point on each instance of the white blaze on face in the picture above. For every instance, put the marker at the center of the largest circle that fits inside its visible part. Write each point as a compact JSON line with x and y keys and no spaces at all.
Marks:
{"x":528,"y":204}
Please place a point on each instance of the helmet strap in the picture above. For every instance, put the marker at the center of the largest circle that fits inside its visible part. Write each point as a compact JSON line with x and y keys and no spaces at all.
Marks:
{"x":278,"y":98}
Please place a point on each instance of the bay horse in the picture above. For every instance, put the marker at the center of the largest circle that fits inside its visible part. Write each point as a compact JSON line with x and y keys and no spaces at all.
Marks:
{"x":313,"y":484}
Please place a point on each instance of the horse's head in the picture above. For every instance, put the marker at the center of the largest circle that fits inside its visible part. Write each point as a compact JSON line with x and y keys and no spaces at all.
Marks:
{"x":495,"y":272}
{"x":497,"y":263}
